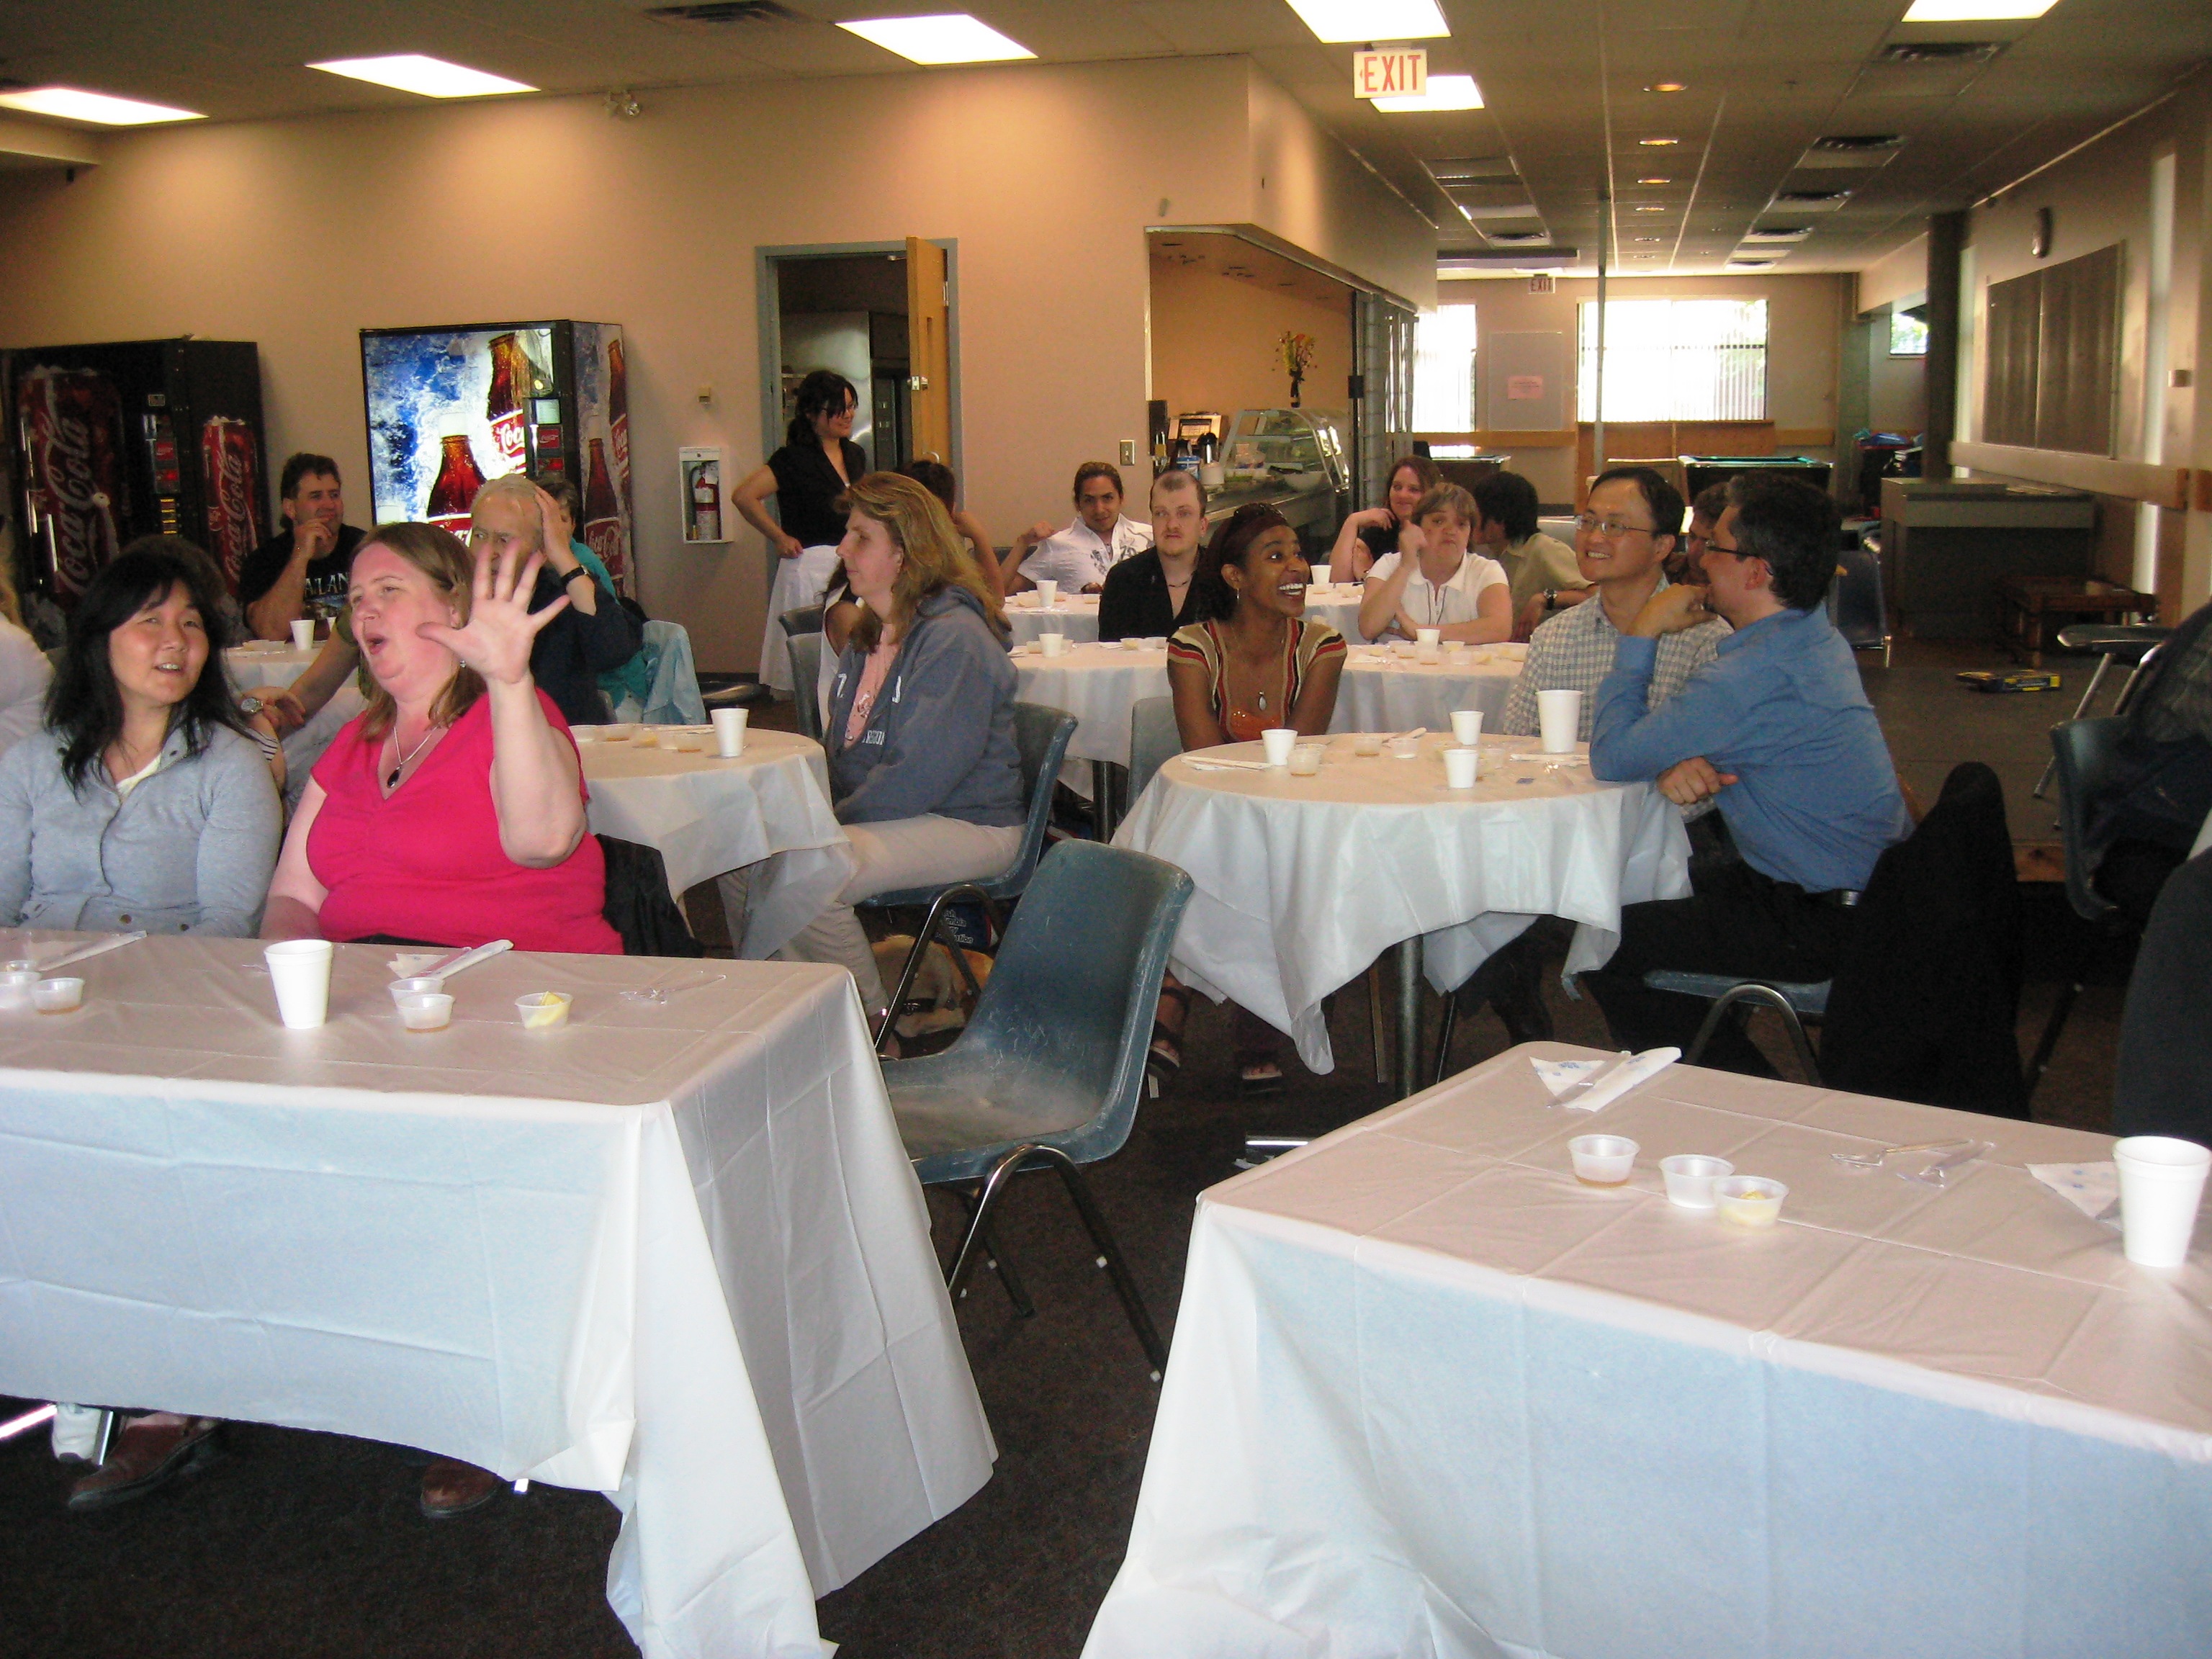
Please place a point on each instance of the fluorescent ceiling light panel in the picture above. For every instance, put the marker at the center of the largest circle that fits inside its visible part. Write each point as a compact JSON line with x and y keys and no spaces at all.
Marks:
{"x":951,"y":37}
{"x":1975,"y":11}
{"x":431,"y":77}
{"x":1362,"y":21}
{"x":1445,"y":91}
{"x":72,"y":104}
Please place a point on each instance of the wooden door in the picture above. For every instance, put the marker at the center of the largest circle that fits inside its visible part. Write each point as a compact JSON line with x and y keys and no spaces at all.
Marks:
{"x":929,"y":349}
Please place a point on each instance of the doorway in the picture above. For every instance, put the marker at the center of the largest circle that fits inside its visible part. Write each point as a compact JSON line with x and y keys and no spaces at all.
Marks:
{"x":854,"y":309}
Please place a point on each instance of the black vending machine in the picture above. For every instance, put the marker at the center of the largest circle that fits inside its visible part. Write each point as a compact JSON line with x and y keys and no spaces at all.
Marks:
{"x":133,"y":439}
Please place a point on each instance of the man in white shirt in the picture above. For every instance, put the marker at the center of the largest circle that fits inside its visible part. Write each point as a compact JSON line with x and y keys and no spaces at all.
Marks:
{"x":1078,"y":558}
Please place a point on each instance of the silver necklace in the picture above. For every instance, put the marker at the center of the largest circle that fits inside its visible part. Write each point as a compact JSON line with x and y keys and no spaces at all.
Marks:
{"x":392,"y":778}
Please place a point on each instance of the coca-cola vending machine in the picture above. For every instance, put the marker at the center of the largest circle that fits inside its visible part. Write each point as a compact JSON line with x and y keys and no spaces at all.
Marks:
{"x":453,"y":406}
{"x":133,"y":439}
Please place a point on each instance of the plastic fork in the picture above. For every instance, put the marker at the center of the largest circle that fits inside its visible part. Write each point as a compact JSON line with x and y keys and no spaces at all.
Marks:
{"x":659,"y":994}
{"x":1875,"y":1160}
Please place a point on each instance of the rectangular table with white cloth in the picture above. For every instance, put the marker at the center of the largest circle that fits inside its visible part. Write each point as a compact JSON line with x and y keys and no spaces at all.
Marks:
{"x":1303,"y":882}
{"x":766,"y":810}
{"x":1431,"y":1396}
{"x":672,"y":1254}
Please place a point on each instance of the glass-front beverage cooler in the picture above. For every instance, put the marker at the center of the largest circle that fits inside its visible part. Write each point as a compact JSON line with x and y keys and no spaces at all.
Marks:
{"x":452,"y":406}
{"x":134,"y":438}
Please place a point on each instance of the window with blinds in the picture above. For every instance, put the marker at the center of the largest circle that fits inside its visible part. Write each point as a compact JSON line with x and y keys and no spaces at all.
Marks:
{"x":1443,"y":370}
{"x":1676,"y":360}
{"x":2050,"y":368}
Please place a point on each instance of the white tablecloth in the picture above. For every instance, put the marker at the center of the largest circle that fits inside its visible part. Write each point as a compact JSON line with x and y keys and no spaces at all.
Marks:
{"x":1303,"y":882}
{"x":676,"y":1255}
{"x":1075,"y":615}
{"x":1379,"y":692}
{"x":707,"y":815}
{"x":1430,"y":1396}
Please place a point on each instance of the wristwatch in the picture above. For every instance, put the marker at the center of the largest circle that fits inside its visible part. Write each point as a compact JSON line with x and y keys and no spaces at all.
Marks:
{"x":573,"y":574}
{"x":252,"y":706}
{"x":1551,"y":598}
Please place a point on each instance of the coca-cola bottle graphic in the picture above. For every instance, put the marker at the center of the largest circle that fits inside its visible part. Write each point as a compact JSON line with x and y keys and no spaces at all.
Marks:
{"x":455,"y":491}
{"x":618,"y":411}
{"x":603,"y":529}
{"x":707,"y":503}
{"x":510,"y":388}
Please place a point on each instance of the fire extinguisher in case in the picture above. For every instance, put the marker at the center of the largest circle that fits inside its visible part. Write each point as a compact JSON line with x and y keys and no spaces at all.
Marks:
{"x":707,"y":503}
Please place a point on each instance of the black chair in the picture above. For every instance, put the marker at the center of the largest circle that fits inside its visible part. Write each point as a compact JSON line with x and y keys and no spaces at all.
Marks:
{"x":1855,"y":606}
{"x":801,"y":619}
{"x":1924,"y":1003}
{"x":2137,"y":645}
{"x":2082,"y":752}
{"x":2163,"y":1086}
{"x":805,"y":653}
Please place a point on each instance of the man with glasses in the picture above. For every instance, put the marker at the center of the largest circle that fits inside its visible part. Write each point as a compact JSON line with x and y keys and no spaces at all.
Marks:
{"x":1779,"y":729}
{"x":1705,"y":514}
{"x":1622,"y":543}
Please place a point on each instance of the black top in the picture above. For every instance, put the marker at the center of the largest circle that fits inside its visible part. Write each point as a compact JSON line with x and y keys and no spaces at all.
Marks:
{"x":266,"y":563}
{"x":1134,"y":603}
{"x":806,"y":484}
{"x":573,"y":650}
{"x":1380,"y":541}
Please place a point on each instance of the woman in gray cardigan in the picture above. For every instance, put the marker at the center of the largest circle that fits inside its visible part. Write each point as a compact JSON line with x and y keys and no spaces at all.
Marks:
{"x":140,"y":804}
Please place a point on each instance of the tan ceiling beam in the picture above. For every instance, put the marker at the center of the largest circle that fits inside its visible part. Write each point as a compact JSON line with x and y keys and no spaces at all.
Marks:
{"x":35,"y":140}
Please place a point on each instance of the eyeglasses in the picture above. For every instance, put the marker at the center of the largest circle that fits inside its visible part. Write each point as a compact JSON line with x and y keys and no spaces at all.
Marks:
{"x":1712,"y":546}
{"x":1612,"y":529}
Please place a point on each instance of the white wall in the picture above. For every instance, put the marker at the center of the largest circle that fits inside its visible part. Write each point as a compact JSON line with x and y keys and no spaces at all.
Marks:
{"x":298,"y":234}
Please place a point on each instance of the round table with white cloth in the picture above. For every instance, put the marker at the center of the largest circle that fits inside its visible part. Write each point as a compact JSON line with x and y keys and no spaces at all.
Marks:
{"x":769,"y":807}
{"x":1381,"y":690}
{"x":1303,"y":882}
{"x":1075,"y":615}
{"x":267,"y":662}
{"x":1338,"y":604}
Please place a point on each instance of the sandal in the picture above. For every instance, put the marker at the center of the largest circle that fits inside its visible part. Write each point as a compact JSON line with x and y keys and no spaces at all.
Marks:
{"x":1257,"y":1074}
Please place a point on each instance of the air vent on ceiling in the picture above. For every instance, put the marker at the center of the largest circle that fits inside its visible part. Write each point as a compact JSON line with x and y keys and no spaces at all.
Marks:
{"x":1541,"y":258}
{"x":1858,"y":143}
{"x":1939,"y":52}
{"x":1779,"y":234}
{"x":1517,"y":238}
{"x":1475,"y":211}
{"x":721,"y":14}
{"x":1813,"y":201}
{"x":1750,"y":264}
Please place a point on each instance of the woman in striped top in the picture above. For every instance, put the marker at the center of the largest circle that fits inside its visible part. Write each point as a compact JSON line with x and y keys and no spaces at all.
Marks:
{"x":1260,"y":662}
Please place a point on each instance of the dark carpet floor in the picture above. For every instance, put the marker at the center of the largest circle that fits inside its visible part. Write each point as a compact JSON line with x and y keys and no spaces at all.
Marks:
{"x":302,"y":1544}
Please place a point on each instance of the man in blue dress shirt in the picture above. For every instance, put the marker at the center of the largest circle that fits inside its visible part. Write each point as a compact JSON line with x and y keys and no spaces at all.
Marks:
{"x":1778,"y":727}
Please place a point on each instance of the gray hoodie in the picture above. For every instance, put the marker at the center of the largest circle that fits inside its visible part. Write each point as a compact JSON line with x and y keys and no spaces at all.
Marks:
{"x":940,"y":738}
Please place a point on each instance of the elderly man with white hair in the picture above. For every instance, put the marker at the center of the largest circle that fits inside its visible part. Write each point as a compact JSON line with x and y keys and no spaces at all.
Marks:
{"x":511,"y":519}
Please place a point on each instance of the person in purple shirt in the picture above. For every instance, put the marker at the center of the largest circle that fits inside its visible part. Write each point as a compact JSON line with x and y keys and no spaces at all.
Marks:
{"x":1779,"y":729}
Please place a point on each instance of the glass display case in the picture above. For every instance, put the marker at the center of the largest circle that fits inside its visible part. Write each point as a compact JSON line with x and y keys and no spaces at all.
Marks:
{"x":1294,"y":460}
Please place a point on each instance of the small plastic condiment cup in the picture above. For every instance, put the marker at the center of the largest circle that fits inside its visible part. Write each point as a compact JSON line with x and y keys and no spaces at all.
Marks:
{"x":1405,"y":748}
{"x":16,"y":987}
{"x":1277,"y":742}
{"x":57,"y":996}
{"x":1154,"y":642}
{"x":1749,"y":1200}
{"x":418,"y":985}
{"x":1602,"y":1160}
{"x":645,"y":737}
{"x":1367,"y":743}
{"x":1690,"y":1178}
{"x":1426,"y":654}
{"x":425,"y":1010}
{"x":543,"y":1010}
{"x":1305,"y":760}
{"x":617,"y":734}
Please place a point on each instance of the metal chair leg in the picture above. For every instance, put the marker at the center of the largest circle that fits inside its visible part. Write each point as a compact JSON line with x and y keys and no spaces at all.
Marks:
{"x":979,"y":1218}
{"x":102,"y":1439}
{"x":2048,"y":1043}
{"x":1444,"y":1037}
{"x":1765,"y":996}
{"x":1409,"y":1067}
{"x":1109,"y":1257}
{"x":996,"y":1259}
{"x":966,"y":890}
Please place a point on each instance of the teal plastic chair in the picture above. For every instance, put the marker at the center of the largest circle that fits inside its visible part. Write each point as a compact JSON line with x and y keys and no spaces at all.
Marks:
{"x":805,"y":650}
{"x":1153,"y":741}
{"x":1047,"y":1073}
{"x":2081,"y":752}
{"x":1040,"y":737}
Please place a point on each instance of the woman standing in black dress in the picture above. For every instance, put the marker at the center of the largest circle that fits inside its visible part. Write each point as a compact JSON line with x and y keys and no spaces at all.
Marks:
{"x":817,"y":465}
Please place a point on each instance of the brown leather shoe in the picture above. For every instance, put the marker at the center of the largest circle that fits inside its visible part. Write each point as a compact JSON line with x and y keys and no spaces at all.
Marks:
{"x":147,"y":1455}
{"x":451,"y":1487}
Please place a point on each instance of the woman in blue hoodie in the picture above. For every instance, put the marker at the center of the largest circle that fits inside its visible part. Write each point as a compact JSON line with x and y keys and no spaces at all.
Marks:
{"x":923,"y":770}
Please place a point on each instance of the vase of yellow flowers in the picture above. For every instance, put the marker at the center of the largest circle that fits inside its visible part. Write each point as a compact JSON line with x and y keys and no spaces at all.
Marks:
{"x":1296,"y":351}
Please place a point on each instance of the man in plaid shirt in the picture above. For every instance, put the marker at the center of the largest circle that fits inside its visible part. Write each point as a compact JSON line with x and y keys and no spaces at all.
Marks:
{"x":1625,"y":537}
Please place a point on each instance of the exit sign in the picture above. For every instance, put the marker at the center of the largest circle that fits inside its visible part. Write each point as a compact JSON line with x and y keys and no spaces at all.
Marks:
{"x":1400,"y":72}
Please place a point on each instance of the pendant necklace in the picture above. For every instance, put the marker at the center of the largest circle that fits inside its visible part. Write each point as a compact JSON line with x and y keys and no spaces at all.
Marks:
{"x":392,"y":778}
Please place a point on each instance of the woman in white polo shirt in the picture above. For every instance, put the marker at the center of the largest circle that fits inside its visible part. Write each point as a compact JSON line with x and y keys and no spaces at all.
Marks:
{"x":1463,"y":595}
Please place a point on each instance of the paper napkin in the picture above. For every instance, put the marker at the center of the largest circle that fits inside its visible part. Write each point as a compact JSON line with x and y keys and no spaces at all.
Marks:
{"x":2092,"y":1188}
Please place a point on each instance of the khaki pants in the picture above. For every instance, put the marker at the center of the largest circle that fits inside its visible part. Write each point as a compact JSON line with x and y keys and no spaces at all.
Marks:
{"x":922,"y":852}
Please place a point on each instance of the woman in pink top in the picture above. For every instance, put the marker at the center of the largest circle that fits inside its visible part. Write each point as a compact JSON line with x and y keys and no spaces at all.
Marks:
{"x":451,"y":811}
